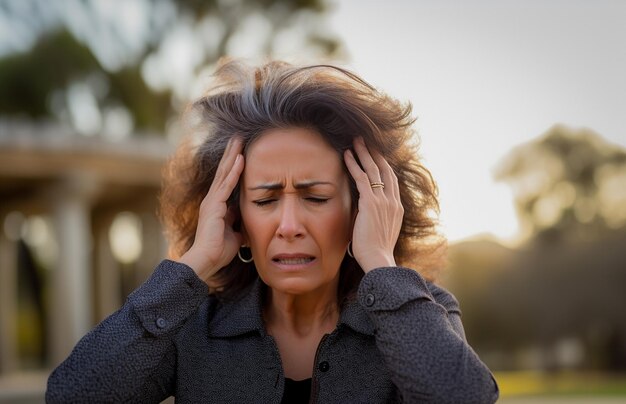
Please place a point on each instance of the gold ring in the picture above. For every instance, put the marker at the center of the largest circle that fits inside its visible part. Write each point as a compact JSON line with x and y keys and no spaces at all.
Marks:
{"x":377,"y":185}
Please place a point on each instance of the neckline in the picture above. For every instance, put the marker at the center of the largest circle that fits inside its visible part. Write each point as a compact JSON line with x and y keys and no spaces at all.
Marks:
{"x":289,"y":380}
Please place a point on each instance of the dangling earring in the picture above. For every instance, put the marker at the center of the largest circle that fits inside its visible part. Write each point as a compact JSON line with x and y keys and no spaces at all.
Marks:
{"x":242,"y":258}
{"x":350,"y":249}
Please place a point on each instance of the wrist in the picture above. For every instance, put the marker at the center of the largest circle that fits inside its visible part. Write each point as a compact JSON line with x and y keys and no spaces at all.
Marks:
{"x":198,"y":263}
{"x":372,"y":263}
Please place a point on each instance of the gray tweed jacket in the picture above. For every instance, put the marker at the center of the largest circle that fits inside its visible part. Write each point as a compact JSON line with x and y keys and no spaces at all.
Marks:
{"x":400,"y":340}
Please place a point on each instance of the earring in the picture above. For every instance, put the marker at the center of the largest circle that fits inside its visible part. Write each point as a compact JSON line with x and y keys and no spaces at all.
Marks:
{"x":350,"y":249}
{"x":242,"y":258}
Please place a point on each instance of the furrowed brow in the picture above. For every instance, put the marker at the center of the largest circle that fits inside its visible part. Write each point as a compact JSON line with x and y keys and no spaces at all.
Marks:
{"x":270,"y":187}
{"x":300,"y":185}
{"x":309,"y":184}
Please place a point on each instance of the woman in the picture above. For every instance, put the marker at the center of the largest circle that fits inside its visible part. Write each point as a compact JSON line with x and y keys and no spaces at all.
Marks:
{"x":290,"y":213}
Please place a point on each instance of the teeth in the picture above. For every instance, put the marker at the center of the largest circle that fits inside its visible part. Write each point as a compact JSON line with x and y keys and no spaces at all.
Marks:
{"x":294,"y":261}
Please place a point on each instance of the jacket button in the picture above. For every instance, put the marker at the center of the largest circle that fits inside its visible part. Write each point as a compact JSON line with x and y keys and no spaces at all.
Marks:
{"x":324,"y":366}
{"x":370,"y":299}
{"x":161,"y":323}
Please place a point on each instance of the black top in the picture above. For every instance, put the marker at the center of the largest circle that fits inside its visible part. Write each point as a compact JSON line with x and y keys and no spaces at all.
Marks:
{"x":297,"y":392}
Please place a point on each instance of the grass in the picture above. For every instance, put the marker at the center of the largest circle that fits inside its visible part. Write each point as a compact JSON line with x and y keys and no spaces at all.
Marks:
{"x":530,"y":383}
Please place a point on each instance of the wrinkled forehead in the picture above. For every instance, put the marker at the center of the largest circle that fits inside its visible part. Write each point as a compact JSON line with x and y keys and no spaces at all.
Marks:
{"x":292,"y":154}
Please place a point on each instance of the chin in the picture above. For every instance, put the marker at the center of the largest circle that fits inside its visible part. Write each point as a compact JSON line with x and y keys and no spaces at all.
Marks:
{"x":293,"y":286}
{"x":296,"y":285}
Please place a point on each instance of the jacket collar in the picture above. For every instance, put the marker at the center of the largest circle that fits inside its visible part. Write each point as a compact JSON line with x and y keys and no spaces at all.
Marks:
{"x":244,"y":315}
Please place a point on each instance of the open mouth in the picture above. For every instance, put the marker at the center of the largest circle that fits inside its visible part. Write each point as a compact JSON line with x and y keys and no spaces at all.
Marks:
{"x":293,"y":261}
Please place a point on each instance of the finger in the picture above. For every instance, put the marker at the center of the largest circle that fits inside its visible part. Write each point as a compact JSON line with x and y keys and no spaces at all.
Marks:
{"x":226,"y":187}
{"x":360,"y":177}
{"x":223,"y":161}
{"x":368,"y":163}
{"x":222,"y":185}
{"x":386,"y":171}
{"x":233,"y":148}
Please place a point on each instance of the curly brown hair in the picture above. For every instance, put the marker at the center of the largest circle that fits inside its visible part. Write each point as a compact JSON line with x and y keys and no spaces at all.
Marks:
{"x":246,"y":101}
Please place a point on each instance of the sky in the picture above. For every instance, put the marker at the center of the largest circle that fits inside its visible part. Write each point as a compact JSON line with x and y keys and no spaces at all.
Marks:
{"x":484,"y":76}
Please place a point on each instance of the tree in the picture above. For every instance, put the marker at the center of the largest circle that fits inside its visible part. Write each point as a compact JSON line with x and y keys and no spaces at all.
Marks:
{"x":566,"y":282}
{"x":568,"y":183}
{"x":126,"y":66}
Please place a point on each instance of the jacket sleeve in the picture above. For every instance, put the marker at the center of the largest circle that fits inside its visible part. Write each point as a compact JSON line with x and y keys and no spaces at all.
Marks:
{"x":131,"y":356}
{"x":422,"y":340}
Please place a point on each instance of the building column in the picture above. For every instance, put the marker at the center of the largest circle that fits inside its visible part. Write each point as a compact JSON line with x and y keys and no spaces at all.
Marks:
{"x":153,"y":246}
{"x":70,"y":317}
{"x":108,"y":275}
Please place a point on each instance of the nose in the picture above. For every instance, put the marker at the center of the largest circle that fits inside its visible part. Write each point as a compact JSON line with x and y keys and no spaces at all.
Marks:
{"x":290,"y":225}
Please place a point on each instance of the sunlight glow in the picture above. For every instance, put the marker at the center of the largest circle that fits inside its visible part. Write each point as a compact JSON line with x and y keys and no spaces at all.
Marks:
{"x":125,"y":237}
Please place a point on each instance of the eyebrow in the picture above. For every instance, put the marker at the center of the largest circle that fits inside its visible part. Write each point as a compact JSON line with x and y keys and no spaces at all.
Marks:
{"x":300,"y":185}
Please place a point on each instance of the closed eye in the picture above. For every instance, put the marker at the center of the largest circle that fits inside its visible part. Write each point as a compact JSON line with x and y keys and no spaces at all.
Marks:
{"x":263,"y":202}
{"x":317,"y":200}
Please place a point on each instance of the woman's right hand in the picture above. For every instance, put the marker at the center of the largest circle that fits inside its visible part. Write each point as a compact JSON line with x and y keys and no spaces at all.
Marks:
{"x":216,"y":243}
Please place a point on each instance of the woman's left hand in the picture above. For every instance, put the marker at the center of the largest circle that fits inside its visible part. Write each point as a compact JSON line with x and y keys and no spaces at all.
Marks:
{"x":379,"y":217}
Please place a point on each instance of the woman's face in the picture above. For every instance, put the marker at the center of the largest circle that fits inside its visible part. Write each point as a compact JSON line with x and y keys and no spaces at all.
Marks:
{"x":296,"y":210}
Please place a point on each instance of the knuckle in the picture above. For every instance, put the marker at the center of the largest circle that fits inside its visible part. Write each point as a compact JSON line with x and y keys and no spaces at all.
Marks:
{"x":219,"y":173}
{"x":363,"y":176}
{"x":374,"y":168}
{"x":223,"y":185}
{"x":205,"y":201}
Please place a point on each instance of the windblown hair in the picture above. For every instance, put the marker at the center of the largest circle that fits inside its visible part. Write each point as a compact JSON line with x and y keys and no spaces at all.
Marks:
{"x":246,"y":101}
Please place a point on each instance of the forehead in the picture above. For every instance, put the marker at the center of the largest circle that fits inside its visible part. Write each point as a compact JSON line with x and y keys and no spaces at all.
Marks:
{"x":291,"y":152}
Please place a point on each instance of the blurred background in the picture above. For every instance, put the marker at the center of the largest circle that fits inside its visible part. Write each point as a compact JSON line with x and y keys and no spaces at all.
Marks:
{"x":521,"y":111}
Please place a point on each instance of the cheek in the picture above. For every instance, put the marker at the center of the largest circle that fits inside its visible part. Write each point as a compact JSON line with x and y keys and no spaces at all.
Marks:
{"x":339,"y":225}
{"x":258,"y":230}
